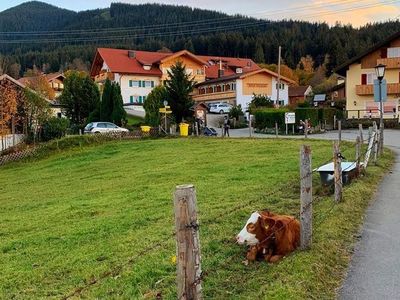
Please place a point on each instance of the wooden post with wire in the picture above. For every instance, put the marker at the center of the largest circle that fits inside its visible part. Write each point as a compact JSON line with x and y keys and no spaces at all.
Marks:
{"x":340,"y":131}
{"x":358,"y":155}
{"x":360,"y":128}
{"x":249,"y":125}
{"x":188,"y":256}
{"x":276,"y":130}
{"x":305,"y":198}
{"x":337,"y":162}
{"x":306,"y":128}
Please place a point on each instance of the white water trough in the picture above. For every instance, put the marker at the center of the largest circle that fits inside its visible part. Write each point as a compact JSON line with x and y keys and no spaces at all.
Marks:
{"x":326,"y":172}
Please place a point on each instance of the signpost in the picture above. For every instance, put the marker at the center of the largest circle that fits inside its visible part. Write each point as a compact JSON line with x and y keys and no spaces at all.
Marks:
{"x":290,"y":118}
{"x":166,"y":110}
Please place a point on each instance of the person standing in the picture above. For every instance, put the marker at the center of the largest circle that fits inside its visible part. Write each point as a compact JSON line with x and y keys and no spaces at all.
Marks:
{"x":227,"y":125}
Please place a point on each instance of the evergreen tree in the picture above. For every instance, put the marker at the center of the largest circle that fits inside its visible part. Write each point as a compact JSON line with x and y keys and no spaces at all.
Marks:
{"x":179,"y":87}
{"x":259,"y":55}
{"x":80,"y":97}
{"x":107,"y":103}
{"x":118,"y":113}
{"x":153,"y":103}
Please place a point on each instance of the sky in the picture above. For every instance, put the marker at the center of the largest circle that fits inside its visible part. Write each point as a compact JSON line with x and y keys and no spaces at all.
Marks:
{"x":355,"y":12}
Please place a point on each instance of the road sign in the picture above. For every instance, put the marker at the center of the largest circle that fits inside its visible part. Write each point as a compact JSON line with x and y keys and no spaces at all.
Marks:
{"x":165,"y":110}
{"x":290,"y":118}
{"x":383,"y":90}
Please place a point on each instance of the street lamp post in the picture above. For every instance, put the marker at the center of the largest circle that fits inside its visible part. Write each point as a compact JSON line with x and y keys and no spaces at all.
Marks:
{"x":380,"y":74}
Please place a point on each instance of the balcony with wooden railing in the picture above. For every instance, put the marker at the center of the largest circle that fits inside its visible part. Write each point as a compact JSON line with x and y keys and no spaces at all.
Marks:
{"x":368,"y":89}
{"x":103,"y":77}
{"x":215,"y":96}
{"x":390,"y":63}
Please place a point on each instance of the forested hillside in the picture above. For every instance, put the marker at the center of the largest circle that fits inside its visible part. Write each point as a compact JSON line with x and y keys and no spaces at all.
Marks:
{"x":51,"y":38}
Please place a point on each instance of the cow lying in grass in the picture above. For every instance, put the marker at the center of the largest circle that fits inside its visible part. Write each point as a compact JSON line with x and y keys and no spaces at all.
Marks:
{"x":269,"y":236}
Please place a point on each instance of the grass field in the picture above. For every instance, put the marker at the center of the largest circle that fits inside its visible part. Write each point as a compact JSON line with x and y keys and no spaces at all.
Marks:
{"x":97,"y":221}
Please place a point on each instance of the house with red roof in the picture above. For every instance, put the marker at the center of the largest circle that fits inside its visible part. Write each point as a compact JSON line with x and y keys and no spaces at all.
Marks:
{"x":218,"y":78}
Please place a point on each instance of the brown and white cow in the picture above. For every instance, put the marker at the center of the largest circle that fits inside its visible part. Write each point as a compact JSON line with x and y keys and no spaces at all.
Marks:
{"x":269,"y":236}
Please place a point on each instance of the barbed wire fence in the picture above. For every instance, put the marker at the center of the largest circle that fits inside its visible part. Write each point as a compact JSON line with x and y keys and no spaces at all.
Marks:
{"x":193,"y":287}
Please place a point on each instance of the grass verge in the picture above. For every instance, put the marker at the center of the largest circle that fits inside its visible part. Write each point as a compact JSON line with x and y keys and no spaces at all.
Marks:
{"x":97,"y":221}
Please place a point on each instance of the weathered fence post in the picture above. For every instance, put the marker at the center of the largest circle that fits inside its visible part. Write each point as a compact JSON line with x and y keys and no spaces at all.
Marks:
{"x":358,"y":155}
{"x":360,"y":128}
{"x":376,"y":147}
{"x":381,"y":138}
{"x":276,"y":129}
{"x":187,"y":244}
{"x":334,"y":122}
{"x":249,"y":125}
{"x":305,"y":198}
{"x":306,"y":128}
{"x":337,"y":162}
{"x":340,"y":130}
{"x":370,"y":149}
{"x":197,"y":128}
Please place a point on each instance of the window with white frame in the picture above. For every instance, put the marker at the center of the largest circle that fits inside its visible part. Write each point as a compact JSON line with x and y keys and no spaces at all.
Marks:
{"x":393,"y":52}
{"x":370,"y":78}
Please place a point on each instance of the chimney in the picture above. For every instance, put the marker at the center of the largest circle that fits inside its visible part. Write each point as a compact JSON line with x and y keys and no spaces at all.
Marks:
{"x":220,"y":73}
{"x":131,"y":54}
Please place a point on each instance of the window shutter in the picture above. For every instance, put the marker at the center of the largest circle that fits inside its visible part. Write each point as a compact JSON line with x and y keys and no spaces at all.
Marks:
{"x":143,"y":83}
{"x":152,"y":84}
{"x":384,"y":52}
{"x":131,"y":99}
{"x":363,"y":79}
{"x":140,"y":83}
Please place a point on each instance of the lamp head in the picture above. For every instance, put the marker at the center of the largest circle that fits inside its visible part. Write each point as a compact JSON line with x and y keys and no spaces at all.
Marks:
{"x":380,"y":71}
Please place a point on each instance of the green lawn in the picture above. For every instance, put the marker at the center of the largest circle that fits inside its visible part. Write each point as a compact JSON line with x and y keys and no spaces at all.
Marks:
{"x":101,"y":218}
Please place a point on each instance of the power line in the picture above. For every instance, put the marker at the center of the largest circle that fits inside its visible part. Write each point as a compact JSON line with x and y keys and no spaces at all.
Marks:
{"x":130,"y":35}
{"x":200,"y":22}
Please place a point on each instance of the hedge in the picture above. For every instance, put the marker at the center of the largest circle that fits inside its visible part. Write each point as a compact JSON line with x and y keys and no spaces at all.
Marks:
{"x":267,"y":118}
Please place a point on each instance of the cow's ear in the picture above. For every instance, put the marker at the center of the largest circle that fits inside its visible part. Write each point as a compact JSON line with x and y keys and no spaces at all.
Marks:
{"x":279,"y":224}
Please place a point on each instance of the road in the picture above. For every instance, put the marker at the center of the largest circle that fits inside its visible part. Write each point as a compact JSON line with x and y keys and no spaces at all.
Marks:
{"x":374,"y":271}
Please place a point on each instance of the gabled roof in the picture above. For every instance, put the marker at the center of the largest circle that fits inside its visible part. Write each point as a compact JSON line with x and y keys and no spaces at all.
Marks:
{"x":118,"y":61}
{"x":283,"y":78}
{"x":229,"y":65}
{"x":181,"y":53}
{"x":49,"y":77}
{"x":298,"y":91}
{"x":341,"y":69}
{"x":16,"y":82}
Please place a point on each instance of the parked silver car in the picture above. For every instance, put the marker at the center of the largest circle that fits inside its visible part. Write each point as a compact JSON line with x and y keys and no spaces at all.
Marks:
{"x":220,"y":108}
{"x":103,"y":127}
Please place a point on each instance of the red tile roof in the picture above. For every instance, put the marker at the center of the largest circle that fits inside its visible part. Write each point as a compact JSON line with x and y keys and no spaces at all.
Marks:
{"x":118,"y":61}
{"x":229,"y":65}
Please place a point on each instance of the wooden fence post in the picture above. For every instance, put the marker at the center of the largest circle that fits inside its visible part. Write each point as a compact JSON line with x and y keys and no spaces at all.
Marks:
{"x":276,"y":129}
{"x":358,"y":155}
{"x":305,"y":198}
{"x":340,"y":131}
{"x":187,"y":244}
{"x":370,"y":149}
{"x":334,"y":122}
{"x":337,"y":162}
{"x":360,"y":128}
{"x":376,"y":147}
{"x":249,"y":125}
{"x":306,"y":128}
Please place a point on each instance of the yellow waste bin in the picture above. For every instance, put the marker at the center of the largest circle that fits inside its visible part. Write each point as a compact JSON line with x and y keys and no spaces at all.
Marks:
{"x":184,"y":129}
{"x":145,"y":129}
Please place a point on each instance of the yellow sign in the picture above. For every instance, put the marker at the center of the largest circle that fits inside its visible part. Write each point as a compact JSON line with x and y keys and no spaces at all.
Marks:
{"x":165,"y":111}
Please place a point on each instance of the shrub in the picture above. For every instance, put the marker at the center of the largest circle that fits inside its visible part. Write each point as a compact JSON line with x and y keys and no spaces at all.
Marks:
{"x":267,"y":117}
{"x":353,"y":123}
{"x":236,"y":112}
{"x":54,"y":128}
{"x":307,"y":113}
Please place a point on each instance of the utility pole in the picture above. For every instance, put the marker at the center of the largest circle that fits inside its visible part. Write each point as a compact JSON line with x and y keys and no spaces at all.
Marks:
{"x":279,"y":76}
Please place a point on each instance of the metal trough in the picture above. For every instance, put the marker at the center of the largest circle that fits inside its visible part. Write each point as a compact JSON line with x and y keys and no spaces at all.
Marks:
{"x":326,"y":172}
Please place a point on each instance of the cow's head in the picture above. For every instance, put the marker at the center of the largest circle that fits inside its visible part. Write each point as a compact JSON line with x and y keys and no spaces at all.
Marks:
{"x":255,"y":230}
